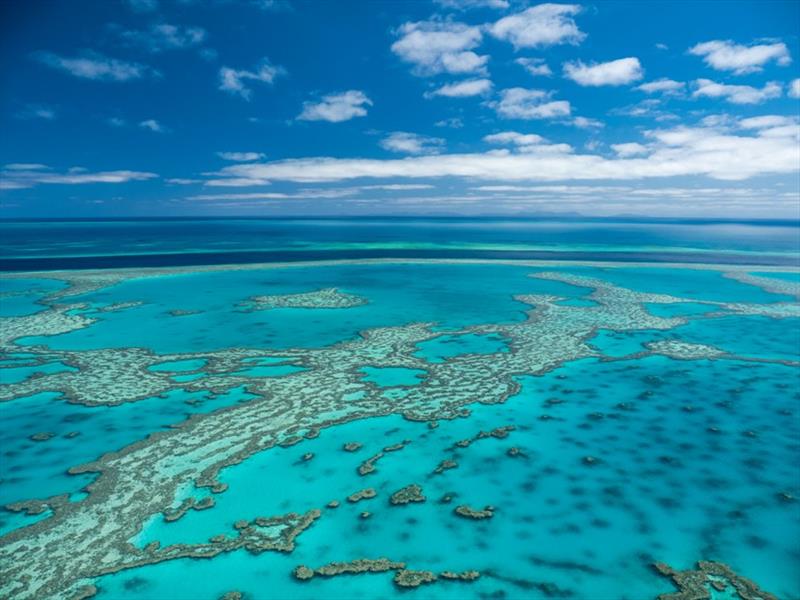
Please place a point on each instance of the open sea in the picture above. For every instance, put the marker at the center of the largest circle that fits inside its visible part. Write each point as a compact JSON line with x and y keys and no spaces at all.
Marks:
{"x":501,"y":409}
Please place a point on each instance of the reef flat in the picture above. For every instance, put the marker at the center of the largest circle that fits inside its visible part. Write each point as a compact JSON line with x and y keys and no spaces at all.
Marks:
{"x":107,"y":527}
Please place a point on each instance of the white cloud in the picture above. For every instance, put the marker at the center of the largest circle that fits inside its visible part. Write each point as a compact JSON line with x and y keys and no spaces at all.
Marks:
{"x":467,"y":4}
{"x":463,"y":89}
{"x":24,"y":167}
{"x":629,"y":149}
{"x":766,"y":121}
{"x":37,"y":111}
{"x":586,"y":123}
{"x":794,"y":88}
{"x":514,"y":137}
{"x":19,"y":176}
{"x":240,"y":156}
{"x":95,"y":66}
{"x":163,"y":36}
{"x":397,"y":187}
{"x":650,"y":108}
{"x":615,"y":72}
{"x":300,"y":195}
{"x":527,"y":143}
{"x":540,"y":26}
{"x":116,"y":122}
{"x":775,"y":126}
{"x":664,"y":86}
{"x":440,"y":47}
{"x":678,"y":151}
{"x":336,"y":108}
{"x":452,"y":122}
{"x":520,"y":103}
{"x":725,"y":55}
{"x":310,"y":193}
{"x":411,"y":143}
{"x":660,"y":46}
{"x":152,"y":125}
{"x":182,"y":181}
{"x":535,"y":66}
{"x":737,"y":94}
{"x":233,"y":80}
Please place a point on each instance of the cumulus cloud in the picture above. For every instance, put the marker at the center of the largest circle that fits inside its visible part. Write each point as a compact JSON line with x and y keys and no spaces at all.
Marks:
{"x":677,"y":151}
{"x":663,"y":86}
{"x":163,"y":36}
{"x":37,"y":111}
{"x":467,"y":4}
{"x":411,"y":143}
{"x":521,"y":103}
{"x":794,"y":88}
{"x":615,"y":72}
{"x":98,"y":67}
{"x":463,"y":89}
{"x":586,"y":123}
{"x":526,"y":142}
{"x":233,"y":80}
{"x":535,"y":66}
{"x":440,"y":47}
{"x":774,"y":126}
{"x":336,"y":108}
{"x":540,"y":26}
{"x":337,"y":192}
{"x":452,"y":122}
{"x":513,"y":137}
{"x":725,"y":55}
{"x":182,"y":181}
{"x":152,"y":125}
{"x":21,"y":175}
{"x":240,"y":156}
{"x":737,"y":94}
{"x":629,"y":149}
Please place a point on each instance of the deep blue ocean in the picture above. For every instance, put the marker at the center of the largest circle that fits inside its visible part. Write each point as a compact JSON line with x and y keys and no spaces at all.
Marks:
{"x":153,"y":242}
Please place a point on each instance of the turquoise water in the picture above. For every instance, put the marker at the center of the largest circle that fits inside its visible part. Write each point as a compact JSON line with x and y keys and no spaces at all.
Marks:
{"x":33,"y":469}
{"x":20,"y":295}
{"x":582,"y":528}
{"x":398,"y":294}
{"x":690,"y":459}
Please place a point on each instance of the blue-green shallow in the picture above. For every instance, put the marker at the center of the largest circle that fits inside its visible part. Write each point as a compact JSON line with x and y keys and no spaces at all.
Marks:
{"x":679,"y":478}
{"x":661,"y":492}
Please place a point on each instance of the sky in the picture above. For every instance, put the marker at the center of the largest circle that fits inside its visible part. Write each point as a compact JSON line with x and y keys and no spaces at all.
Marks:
{"x":431,"y":107}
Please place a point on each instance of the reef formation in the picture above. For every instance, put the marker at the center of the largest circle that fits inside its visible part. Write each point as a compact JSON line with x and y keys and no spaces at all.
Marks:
{"x":63,"y":554}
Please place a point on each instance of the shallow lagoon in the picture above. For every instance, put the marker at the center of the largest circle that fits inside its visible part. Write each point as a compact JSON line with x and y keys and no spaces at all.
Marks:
{"x":660,"y":468}
{"x":691,"y":456}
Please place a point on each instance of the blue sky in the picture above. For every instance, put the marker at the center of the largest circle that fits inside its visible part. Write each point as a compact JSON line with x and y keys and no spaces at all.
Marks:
{"x":260,"y":107}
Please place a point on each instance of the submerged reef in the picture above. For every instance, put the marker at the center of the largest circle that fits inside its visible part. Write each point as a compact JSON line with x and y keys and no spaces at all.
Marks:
{"x":326,"y":298}
{"x":472,"y":513}
{"x":368,"y":466}
{"x":403,"y":577}
{"x":354,"y":567}
{"x":79,"y":542}
{"x":410,"y":493}
{"x":696,"y":584}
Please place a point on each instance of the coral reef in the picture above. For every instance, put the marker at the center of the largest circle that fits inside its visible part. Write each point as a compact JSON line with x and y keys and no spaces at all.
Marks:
{"x":468,"y":512}
{"x":325,"y":298}
{"x":55,"y":557}
{"x":364,"y":494}
{"x":693,"y":584}
{"x":410,"y":493}
{"x":406,"y":578}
